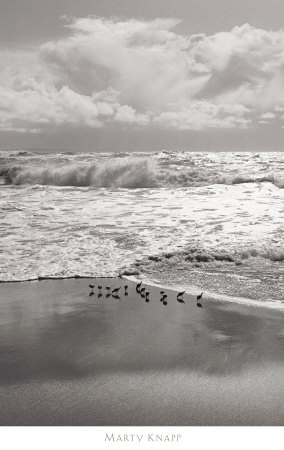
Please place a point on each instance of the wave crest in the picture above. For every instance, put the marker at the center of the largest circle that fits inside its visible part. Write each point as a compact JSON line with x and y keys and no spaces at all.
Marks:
{"x":122,"y":173}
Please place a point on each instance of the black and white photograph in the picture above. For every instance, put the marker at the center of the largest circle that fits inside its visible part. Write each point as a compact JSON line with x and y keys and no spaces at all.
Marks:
{"x":141,"y":214}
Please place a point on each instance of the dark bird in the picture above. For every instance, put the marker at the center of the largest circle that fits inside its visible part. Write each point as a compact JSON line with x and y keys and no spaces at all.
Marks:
{"x":147,"y":296}
{"x":142,"y":295}
{"x":163,"y":298}
{"x":142,"y":290}
{"x":180,"y":294}
{"x":108,"y":288}
{"x":100,"y":295}
{"x":99,"y":287}
{"x":165,"y":302}
{"x":91,"y":286}
{"x":108,"y":295}
{"x":116,"y":296}
{"x":138,"y":286}
{"x":115,"y":291}
{"x":147,"y":299}
{"x":199,"y":300}
{"x":91,"y":293}
{"x":162,"y":292}
{"x":180,"y":300}
{"x":125,"y":289}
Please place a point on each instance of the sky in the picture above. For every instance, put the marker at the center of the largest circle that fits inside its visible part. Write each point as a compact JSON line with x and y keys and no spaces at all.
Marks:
{"x":132,"y":75}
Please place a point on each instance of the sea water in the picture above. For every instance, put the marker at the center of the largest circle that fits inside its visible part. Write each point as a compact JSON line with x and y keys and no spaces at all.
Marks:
{"x":212,"y":220}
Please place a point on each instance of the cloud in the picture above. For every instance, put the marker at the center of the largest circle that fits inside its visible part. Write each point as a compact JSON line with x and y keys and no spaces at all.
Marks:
{"x":144,"y":73}
{"x":206,"y":115}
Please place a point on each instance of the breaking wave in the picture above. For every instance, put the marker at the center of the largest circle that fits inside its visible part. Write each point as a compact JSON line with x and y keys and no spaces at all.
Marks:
{"x":124,"y":171}
{"x":119,"y":173}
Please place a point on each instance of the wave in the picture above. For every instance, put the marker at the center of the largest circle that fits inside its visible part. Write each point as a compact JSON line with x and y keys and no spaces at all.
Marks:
{"x":241,"y":179}
{"x":130,"y":173}
{"x":124,"y":171}
{"x":201,"y":257}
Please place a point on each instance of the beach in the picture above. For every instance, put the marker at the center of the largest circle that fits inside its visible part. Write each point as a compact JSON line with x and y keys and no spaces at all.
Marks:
{"x":68,"y":358}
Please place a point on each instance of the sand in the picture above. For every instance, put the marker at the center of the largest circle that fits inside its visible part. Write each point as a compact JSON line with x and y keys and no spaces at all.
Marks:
{"x":67,"y":358}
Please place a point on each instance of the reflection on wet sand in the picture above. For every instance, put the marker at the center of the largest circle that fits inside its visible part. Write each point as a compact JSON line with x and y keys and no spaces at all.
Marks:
{"x":72,"y":350}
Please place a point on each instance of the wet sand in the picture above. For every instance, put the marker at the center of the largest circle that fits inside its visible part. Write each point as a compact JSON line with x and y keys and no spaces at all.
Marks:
{"x":67,"y":358}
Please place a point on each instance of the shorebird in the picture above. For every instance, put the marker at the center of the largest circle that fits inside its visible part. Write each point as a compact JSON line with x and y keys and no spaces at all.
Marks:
{"x":91,"y":293}
{"x":115,"y":291}
{"x":163,"y":298}
{"x":142,"y":290}
{"x":100,"y":287}
{"x":138,"y":286}
{"x":108,"y":288}
{"x":165,"y":302}
{"x":91,"y":286}
{"x":180,"y":300}
{"x":199,"y":300}
{"x":108,"y":295}
{"x":125,"y":290}
{"x":147,"y":296}
{"x":116,"y":296}
{"x":100,"y":295}
{"x":180,"y":294}
{"x":162,"y":292}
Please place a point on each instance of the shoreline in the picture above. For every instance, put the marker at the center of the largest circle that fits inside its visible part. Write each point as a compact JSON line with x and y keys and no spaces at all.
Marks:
{"x":194,"y":290}
{"x":189,"y":289}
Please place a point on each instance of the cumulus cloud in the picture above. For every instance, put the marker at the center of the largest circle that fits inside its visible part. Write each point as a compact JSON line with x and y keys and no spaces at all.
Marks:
{"x":144,"y":73}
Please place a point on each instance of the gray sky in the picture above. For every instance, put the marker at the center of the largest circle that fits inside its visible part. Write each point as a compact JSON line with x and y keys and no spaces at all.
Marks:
{"x":142,"y":75}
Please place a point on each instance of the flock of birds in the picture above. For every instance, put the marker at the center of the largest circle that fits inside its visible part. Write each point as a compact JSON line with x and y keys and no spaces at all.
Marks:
{"x":143,"y":293}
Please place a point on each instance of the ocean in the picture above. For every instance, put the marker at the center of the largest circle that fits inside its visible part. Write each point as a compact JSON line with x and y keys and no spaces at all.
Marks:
{"x":209,"y":221}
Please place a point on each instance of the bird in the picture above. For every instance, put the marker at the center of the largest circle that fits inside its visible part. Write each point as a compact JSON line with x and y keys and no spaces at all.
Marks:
{"x":163,"y":298}
{"x":91,"y":293}
{"x":99,"y":287}
{"x":180,"y":294}
{"x":138,"y":286}
{"x":199,"y":300}
{"x":180,"y":300}
{"x":108,"y":295}
{"x":91,"y":286}
{"x":142,"y":290}
{"x":165,"y":302}
{"x":108,"y":288}
{"x":162,"y":292}
{"x":116,"y":296}
{"x":100,"y":295}
{"x":115,"y":291}
{"x":125,"y":290}
{"x":147,"y":296}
